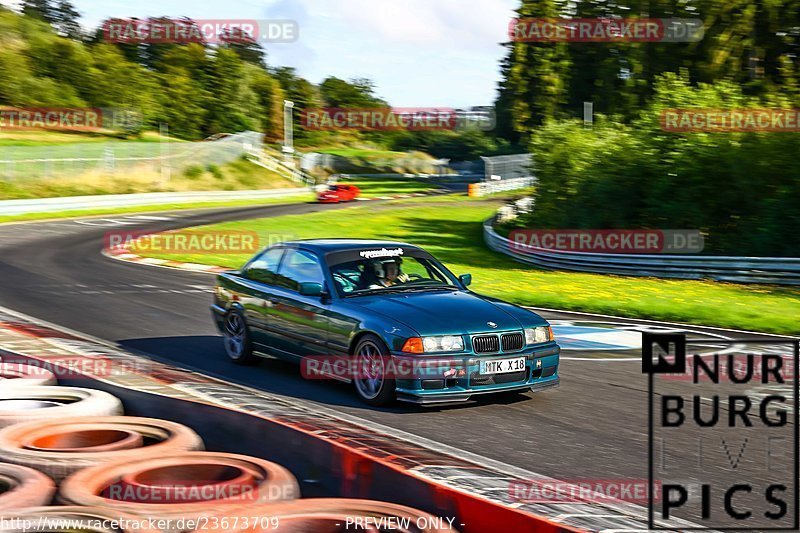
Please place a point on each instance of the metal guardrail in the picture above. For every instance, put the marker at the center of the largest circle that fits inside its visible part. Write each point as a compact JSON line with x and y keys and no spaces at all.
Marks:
{"x":69,"y":203}
{"x":768,"y":270}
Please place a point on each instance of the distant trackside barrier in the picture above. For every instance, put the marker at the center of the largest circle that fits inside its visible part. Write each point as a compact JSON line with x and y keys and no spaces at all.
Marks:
{"x":770,"y":270}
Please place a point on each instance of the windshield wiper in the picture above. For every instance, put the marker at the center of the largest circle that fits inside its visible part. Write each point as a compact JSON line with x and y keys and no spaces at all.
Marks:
{"x":368,"y":292}
{"x":430,"y":287}
{"x":399,"y":288}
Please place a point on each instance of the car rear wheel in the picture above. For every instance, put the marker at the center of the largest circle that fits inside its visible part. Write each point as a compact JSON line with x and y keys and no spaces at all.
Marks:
{"x":371,"y":381}
{"x":236,"y":337}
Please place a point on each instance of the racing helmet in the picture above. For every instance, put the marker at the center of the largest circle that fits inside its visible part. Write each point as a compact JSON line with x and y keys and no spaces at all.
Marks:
{"x":379,"y":266}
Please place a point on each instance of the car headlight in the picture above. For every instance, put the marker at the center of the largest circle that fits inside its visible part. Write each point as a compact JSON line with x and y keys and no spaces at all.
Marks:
{"x":444,"y":343}
{"x":538,"y":335}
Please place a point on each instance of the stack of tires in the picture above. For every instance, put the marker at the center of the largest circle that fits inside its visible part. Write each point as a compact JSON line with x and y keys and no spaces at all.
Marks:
{"x":68,"y":456}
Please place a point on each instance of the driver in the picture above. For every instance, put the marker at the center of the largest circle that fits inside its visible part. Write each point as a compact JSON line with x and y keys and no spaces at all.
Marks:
{"x":389,"y":273}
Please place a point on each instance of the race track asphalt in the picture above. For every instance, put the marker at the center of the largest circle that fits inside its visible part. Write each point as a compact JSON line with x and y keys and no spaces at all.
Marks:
{"x":593,"y":427}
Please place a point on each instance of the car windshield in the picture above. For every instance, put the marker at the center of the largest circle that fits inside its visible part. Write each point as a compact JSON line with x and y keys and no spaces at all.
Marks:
{"x":389,"y":274}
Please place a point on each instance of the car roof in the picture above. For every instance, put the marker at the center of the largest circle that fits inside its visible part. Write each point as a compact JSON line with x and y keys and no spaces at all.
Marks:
{"x":336,"y":245}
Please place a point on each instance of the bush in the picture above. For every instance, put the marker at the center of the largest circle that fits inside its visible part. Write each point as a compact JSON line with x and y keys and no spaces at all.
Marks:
{"x":740,"y":189}
{"x":193,"y":172}
{"x":215,"y":171}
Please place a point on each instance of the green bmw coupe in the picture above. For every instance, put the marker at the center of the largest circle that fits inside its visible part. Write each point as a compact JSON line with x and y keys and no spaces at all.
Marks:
{"x":385,"y":316}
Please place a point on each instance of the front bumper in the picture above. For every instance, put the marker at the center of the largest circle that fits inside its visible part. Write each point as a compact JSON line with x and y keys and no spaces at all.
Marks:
{"x":218,"y":313}
{"x":436,"y":383}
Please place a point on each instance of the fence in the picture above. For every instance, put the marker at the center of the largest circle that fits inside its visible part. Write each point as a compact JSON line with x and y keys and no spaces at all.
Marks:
{"x":770,"y":270}
{"x":119,"y":158}
{"x":277,"y":162}
{"x":493,"y":186}
{"x":508,"y":166}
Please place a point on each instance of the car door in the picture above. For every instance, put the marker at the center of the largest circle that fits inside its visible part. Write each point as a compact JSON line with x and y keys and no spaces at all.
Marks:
{"x":298,"y":323}
{"x":258,"y":284}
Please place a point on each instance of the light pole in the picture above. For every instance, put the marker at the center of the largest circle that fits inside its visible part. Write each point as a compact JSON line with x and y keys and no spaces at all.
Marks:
{"x":288,"y":132}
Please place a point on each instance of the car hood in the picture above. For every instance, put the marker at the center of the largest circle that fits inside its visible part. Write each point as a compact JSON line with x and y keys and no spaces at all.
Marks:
{"x":441,"y":313}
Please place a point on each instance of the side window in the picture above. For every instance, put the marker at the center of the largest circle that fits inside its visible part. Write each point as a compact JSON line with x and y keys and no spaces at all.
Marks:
{"x":298,"y":267}
{"x":265,"y":267}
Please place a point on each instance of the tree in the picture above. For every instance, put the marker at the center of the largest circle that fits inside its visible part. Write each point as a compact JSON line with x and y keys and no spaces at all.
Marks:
{"x":535,"y":87}
{"x":359,"y":92}
{"x":248,"y":50}
{"x":67,"y":20}
{"x":228,"y":110}
{"x":39,"y":9}
{"x":270,"y":96}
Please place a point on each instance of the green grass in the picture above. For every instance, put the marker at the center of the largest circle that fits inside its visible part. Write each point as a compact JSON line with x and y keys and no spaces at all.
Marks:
{"x":159,"y":208}
{"x":451,"y":230}
{"x":372,"y":187}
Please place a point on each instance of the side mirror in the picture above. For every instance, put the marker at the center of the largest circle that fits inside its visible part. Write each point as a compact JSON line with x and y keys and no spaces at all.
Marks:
{"x":310,"y":289}
{"x":465,"y":279}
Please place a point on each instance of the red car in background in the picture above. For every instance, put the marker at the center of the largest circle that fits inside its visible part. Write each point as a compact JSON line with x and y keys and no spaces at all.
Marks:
{"x":338,"y":193}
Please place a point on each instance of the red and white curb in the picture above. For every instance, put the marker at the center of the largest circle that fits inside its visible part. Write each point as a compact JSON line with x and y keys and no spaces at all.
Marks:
{"x":123,"y":253}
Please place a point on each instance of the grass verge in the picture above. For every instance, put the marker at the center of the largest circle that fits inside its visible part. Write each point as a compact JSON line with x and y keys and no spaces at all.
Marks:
{"x":451,"y":230}
{"x":235,"y":175}
{"x":372,"y":187}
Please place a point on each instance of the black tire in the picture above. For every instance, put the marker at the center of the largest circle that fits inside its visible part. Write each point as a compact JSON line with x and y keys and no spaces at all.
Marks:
{"x":379,"y":391}
{"x":237,"y":340}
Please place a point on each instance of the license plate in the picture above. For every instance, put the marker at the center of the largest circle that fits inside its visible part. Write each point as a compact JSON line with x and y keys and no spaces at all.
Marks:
{"x":503,"y":366}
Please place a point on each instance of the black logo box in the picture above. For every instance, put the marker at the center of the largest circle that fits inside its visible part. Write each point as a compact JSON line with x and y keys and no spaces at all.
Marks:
{"x":678,"y":366}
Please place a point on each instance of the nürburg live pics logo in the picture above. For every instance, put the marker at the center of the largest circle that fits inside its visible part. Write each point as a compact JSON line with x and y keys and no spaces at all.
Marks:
{"x":723,"y":432}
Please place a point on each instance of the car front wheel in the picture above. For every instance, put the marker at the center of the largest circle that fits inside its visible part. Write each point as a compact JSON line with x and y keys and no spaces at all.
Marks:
{"x":372,"y":380}
{"x":236,"y":337}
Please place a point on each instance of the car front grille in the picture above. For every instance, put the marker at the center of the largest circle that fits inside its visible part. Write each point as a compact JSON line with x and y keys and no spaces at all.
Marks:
{"x":497,"y":379}
{"x":510,"y":342}
{"x":513,"y":341}
{"x":486,"y":343}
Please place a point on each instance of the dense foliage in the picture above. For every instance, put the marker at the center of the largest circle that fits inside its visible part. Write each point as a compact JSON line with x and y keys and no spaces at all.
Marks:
{"x":741,"y":189}
{"x":625,"y":171}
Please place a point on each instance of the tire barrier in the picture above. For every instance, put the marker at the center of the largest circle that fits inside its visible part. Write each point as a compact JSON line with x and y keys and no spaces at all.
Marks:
{"x":24,"y":404}
{"x":17,"y":374}
{"x":335,"y":457}
{"x":22,"y":487}
{"x":63,"y":519}
{"x":63,"y":446}
{"x":179,"y":487}
{"x":330,"y":515}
